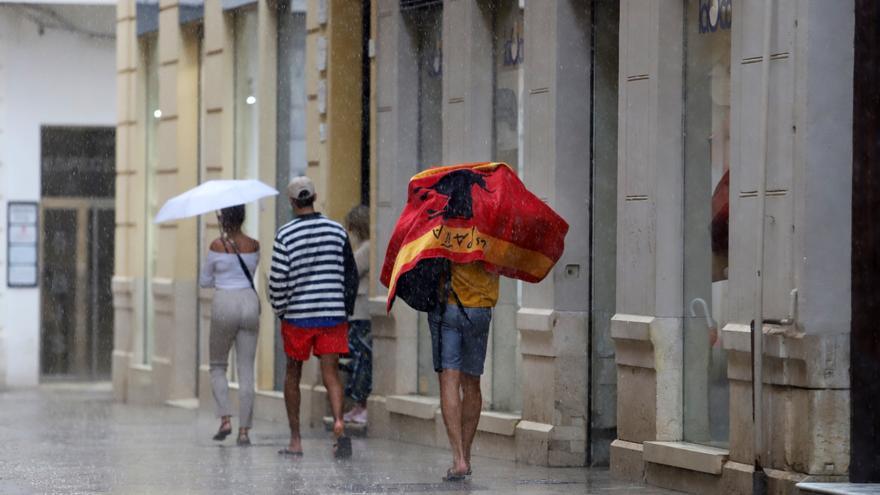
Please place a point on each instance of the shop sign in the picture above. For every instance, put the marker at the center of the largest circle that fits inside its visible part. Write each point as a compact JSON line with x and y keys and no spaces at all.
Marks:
{"x":513,"y":46}
{"x":22,"y":247}
{"x":715,"y":15}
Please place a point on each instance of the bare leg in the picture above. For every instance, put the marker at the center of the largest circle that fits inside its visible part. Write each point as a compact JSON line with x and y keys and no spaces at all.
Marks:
{"x":471,"y":405}
{"x":330,"y":374}
{"x":450,"y":406}
{"x":291,"y":402}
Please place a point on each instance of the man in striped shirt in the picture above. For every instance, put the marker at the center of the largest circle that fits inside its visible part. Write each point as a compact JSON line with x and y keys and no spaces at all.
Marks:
{"x":312,"y":287}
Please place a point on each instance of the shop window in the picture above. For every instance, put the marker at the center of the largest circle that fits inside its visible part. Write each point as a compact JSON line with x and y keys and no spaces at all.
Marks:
{"x":706,"y":205}
{"x":425,"y":24}
{"x":291,"y":115}
{"x":505,"y":360}
{"x":246,"y":130}
{"x":246,"y":59}
{"x":602,"y":391}
{"x":151,"y":117}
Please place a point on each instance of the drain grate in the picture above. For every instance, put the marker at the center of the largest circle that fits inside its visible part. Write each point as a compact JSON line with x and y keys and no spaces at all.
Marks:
{"x":405,"y":487}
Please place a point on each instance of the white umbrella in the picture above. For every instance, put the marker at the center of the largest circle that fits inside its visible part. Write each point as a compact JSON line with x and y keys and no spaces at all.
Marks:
{"x":211,"y":196}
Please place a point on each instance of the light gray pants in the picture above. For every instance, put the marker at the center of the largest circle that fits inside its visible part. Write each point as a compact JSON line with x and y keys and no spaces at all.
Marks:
{"x":235,"y":318}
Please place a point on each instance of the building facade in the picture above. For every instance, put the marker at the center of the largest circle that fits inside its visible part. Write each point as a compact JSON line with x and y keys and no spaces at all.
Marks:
{"x":532,"y":84}
{"x":57,"y":120}
{"x":735,"y":164}
{"x":208,"y":91}
{"x":644,"y":124}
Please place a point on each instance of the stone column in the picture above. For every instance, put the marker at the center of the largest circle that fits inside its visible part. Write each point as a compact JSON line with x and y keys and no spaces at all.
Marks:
{"x":467,"y":82}
{"x":553,"y":318}
{"x":129,"y":181}
{"x":647,"y":327}
{"x":396,"y":148}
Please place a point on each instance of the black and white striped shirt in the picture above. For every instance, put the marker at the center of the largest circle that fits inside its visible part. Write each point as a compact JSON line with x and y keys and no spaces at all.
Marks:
{"x":313,"y":274}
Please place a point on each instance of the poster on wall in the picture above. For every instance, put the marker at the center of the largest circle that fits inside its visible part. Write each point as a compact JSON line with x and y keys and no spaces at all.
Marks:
{"x":22,"y":244}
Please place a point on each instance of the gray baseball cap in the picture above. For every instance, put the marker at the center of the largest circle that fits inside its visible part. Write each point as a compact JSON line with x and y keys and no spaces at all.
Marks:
{"x":300,"y":188}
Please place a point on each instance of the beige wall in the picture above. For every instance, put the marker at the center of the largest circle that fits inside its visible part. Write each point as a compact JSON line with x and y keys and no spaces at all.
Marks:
{"x":195,"y":111}
{"x":333,"y":110}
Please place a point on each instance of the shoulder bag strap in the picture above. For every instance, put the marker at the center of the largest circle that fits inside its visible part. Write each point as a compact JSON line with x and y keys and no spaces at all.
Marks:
{"x":241,"y":263}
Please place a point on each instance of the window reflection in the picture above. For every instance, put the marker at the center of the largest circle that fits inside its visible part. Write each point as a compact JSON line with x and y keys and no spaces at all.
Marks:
{"x":291,"y":104}
{"x":506,"y":360}
{"x":426,"y":28}
{"x":706,"y":205}
{"x":245,"y":108}
{"x":152,"y":116}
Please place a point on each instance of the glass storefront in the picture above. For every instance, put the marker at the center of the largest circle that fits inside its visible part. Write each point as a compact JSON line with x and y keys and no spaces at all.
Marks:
{"x":426,"y":29}
{"x":291,"y":115}
{"x":246,"y":164}
{"x":152,"y":116}
{"x":706,"y":205}
{"x":246,"y":56}
{"x":506,"y":360}
{"x":602,"y":392}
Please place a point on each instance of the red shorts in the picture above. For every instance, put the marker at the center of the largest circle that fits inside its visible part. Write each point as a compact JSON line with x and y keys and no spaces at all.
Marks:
{"x":299,"y":341}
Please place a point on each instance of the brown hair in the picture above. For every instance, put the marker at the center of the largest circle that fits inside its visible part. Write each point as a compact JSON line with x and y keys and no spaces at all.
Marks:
{"x":358,"y":221}
{"x":231,"y":218}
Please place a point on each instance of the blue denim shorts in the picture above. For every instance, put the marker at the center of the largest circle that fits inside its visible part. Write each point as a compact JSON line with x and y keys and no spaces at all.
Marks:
{"x":459,"y":343}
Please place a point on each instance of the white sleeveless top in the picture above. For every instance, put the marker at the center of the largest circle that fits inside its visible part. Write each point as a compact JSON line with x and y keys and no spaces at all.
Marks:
{"x":223,"y":271}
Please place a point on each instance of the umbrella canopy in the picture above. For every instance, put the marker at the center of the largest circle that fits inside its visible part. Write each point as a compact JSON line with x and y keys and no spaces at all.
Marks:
{"x":211,"y":196}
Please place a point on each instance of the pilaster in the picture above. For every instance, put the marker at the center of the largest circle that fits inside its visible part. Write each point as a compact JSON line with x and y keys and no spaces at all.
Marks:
{"x":334,"y":108}
{"x":396,"y":149}
{"x":554,"y":316}
{"x":467,"y":82}
{"x":128,"y":269}
{"x":647,"y":326}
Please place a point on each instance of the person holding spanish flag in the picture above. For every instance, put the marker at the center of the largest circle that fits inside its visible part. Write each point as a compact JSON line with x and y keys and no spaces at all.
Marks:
{"x":464,"y":226}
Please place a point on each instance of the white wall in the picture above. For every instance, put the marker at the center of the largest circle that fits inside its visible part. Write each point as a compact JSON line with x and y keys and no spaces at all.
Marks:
{"x":57,"y":78}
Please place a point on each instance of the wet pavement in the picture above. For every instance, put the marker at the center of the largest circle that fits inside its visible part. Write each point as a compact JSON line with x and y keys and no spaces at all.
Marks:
{"x":72,"y":438}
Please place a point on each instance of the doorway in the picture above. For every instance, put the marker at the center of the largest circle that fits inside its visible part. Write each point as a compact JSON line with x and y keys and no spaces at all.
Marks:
{"x":76,"y":252}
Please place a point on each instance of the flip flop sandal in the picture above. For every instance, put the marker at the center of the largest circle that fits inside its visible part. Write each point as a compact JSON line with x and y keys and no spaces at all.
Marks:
{"x":342,"y":448}
{"x":222,"y":434}
{"x":291,"y":453}
{"x":455,"y":477}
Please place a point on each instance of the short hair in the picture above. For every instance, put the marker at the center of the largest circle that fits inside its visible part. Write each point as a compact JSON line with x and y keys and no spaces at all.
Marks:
{"x":358,"y":221}
{"x":231,"y":218}
{"x":304,"y":203}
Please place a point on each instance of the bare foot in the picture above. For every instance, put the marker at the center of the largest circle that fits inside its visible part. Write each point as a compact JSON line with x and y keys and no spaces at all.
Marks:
{"x":295,"y":444}
{"x":458,"y":472}
{"x":460,"y":467}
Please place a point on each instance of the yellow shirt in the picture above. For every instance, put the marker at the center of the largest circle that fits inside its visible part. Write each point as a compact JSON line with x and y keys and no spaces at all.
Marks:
{"x":475,"y":287}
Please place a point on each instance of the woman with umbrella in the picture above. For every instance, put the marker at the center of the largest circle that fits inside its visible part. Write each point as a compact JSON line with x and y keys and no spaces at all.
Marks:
{"x":235,"y":316}
{"x":229,"y":267}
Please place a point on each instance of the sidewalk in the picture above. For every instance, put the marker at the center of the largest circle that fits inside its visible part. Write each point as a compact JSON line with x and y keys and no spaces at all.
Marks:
{"x":70,"y":438}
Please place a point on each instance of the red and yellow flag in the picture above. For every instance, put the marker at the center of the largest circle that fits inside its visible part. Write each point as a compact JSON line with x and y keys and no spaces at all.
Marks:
{"x":474,"y":212}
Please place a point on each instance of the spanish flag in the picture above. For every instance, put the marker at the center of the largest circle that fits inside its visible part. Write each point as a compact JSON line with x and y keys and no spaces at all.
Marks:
{"x":465,"y":213}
